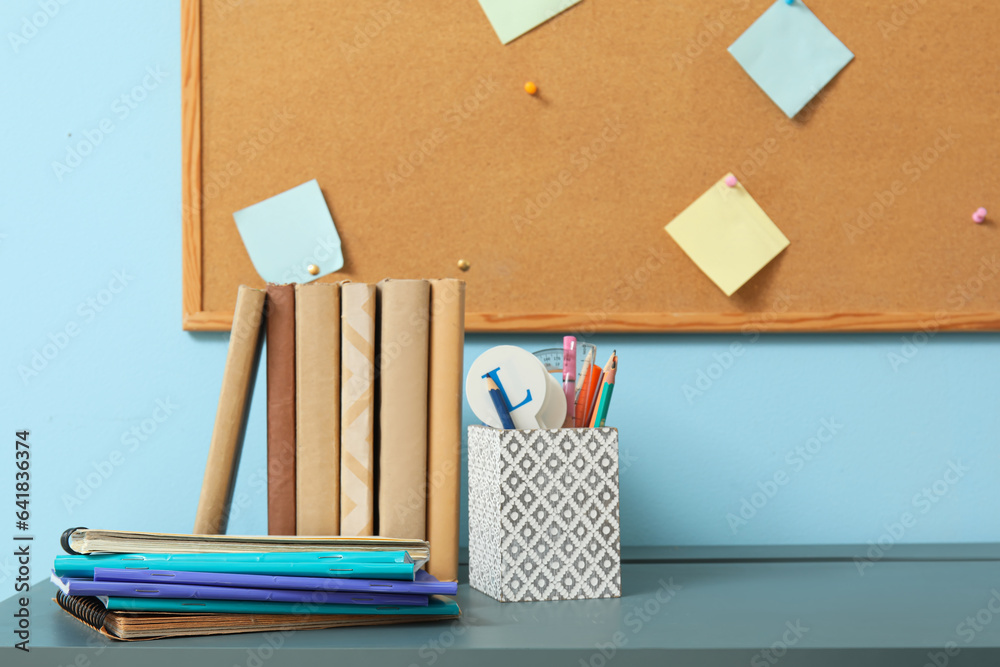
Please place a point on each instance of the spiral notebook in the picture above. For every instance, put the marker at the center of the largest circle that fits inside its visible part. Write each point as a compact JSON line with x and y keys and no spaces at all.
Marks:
{"x":136,"y":626}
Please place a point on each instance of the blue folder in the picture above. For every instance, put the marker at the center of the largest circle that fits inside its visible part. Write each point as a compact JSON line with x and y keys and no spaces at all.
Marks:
{"x":436,"y":606}
{"x":395,"y":565}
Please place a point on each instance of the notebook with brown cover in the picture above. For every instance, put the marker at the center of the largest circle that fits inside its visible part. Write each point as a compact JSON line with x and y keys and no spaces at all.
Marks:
{"x":137,"y":626}
{"x":280,"y":409}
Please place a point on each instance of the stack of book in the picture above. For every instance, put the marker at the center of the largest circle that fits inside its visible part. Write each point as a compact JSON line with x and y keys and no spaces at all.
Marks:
{"x":134,"y":586}
{"x":364,"y":387}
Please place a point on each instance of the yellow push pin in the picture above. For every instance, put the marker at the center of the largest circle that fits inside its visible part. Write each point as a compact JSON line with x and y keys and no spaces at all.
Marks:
{"x":464,"y":265}
{"x":312,"y":269}
{"x":531,"y":88}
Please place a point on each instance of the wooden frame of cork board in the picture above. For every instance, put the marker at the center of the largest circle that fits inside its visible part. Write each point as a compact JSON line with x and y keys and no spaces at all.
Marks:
{"x":412,"y":116}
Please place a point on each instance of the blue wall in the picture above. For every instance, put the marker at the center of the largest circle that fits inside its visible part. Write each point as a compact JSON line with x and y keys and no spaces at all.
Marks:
{"x":95,"y":249}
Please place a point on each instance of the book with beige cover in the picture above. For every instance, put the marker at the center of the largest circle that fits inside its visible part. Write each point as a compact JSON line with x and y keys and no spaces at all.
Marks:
{"x":242,"y":361}
{"x":444,"y":428}
{"x":317,"y":409}
{"x":404,"y":311}
{"x":357,"y":419}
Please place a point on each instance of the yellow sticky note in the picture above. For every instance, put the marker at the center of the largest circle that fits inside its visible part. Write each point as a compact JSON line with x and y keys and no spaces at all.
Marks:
{"x":728,"y":235}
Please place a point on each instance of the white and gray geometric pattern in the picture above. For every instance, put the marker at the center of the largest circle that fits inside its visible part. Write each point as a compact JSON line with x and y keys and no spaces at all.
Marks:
{"x":543,"y":513}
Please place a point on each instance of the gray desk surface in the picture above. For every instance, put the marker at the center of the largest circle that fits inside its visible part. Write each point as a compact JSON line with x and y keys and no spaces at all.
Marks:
{"x":758,"y":613}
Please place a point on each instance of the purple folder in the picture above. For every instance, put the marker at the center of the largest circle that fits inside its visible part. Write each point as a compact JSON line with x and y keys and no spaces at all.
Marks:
{"x":129,"y":589}
{"x":424,"y":583}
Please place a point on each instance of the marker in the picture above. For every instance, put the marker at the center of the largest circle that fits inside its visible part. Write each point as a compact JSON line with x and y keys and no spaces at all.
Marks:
{"x":569,"y":379}
{"x":498,"y":403}
{"x":979,"y":217}
{"x":531,"y":88}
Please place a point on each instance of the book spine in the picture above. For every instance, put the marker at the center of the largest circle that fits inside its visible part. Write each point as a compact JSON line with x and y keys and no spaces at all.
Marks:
{"x":238,"y":378}
{"x":317,"y":409}
{"x":357,"y":452}
{"x":404,"y":307}
{"x":281,"y":409}
{"x":444,"y":427}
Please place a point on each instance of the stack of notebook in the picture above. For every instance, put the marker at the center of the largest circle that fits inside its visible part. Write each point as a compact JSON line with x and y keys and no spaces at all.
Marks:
{"x":133,"y":586}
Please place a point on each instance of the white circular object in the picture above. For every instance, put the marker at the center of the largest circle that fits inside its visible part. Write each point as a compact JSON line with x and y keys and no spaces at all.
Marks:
{"x":531,"y":390}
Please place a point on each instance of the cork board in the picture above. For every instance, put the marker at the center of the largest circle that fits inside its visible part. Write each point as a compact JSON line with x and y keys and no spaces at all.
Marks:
{"x":413,"y":118}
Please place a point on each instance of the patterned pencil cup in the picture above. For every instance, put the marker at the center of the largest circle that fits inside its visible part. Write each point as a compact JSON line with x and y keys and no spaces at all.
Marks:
{"x":543,"y":513}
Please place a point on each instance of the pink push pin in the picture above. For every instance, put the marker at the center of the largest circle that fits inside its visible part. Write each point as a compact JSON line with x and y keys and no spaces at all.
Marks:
{"x":731,"y":181}
{"x":979,"y":216}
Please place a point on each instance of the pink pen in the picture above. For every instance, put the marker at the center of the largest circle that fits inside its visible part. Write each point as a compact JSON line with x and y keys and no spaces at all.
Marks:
{"x":569,"y":379}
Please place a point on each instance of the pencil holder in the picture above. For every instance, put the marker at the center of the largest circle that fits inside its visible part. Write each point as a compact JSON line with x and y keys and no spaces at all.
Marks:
{"x":543,"y":513}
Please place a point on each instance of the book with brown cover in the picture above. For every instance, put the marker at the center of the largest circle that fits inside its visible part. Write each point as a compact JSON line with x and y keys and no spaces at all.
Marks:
{"x":404,"y":311}
{"x":444,"y":426}
{"x":242,"y":361}
{"x":280,"y":409}
{"x":138,"y":626}
{"x":317,"y":409}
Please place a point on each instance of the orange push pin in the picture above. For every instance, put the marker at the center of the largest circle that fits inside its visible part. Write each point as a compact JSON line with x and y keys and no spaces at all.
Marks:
{"x":531,"y":88}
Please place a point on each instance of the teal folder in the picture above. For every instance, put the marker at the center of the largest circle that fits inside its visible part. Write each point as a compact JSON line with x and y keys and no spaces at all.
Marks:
{"x":394,"y":565}
{"x":436,"y":606}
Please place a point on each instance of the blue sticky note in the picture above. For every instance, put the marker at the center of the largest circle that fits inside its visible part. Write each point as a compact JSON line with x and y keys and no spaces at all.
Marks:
{"x":512,"y":18}
{"x":790,"y":54}
{"x":287,"y":233}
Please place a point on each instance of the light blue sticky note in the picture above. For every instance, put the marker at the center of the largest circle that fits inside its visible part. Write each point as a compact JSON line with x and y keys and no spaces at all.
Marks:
{"x":287,"y":233}
{"x":790,"y":54}
{"x":513,"y":18}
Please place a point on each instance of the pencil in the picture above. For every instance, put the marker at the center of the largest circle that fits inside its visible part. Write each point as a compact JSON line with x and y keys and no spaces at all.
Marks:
{"x":595,"y":392}
{"x":587,"y":375}
{"x":607,"y":387}
{"x":498,"y":403}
